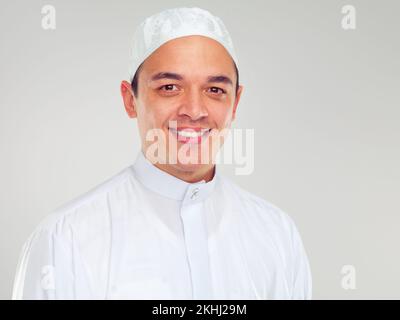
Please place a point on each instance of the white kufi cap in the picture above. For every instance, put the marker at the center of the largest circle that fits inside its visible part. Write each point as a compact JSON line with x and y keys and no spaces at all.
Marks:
{"x":174,"y":23}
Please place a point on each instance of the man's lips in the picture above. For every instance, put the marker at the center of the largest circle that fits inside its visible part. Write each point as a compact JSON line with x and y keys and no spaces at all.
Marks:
{"x":190,"y":135}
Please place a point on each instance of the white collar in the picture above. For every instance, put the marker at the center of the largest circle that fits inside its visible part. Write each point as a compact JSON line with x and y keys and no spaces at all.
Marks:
{"x":169,"y":186}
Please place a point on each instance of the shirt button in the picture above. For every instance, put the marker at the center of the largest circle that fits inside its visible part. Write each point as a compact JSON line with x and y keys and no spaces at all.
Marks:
{"x":194,"y":193}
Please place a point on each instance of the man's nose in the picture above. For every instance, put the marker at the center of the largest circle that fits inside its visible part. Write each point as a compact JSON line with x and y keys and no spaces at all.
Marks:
{"x":193,"y":105}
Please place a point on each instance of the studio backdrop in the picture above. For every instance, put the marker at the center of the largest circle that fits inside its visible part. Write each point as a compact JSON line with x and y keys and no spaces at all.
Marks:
{"x":321,"y":93}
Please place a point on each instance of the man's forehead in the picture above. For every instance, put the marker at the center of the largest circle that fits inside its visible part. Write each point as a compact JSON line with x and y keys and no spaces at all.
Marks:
{"x":191,"y":39}
{"x":185,"y":49}
{"x":180,"y":67}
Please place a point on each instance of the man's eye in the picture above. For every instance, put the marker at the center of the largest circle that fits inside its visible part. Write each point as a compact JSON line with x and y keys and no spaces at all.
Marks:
{"x":217,"y":90}
{"x":168,"y":87}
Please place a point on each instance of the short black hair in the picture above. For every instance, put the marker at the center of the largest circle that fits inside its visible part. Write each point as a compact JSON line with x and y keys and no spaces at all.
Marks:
{"x":135,"y":79}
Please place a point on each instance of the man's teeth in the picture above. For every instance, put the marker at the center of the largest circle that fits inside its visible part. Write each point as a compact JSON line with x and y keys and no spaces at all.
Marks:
{"x":190,"y":133}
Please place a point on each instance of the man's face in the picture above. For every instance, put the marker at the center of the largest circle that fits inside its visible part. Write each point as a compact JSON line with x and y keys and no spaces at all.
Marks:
{"x":190,"y":80}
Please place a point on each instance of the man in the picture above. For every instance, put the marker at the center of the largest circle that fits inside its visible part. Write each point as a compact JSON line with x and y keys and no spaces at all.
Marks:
{"x":170,"y":226}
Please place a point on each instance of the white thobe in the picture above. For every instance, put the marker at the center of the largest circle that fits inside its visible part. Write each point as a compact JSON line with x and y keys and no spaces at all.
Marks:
{"x":145,"y":234}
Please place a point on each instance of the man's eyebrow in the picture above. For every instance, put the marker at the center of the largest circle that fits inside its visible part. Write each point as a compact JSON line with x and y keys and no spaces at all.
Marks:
{"x":176,"y":76}
{"x":166,"y":75}
{"x":220,"y":79}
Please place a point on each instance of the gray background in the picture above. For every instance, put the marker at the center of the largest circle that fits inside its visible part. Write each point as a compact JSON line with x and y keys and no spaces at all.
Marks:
{"x":323,"y":101}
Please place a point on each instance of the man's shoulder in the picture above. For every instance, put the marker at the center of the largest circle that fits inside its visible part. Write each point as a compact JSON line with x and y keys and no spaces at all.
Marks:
{"x":255,"y":205}
{"x":89,"y":205}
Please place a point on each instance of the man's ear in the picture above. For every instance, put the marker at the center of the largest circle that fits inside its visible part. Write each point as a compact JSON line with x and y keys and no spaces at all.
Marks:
{"x":237,"y":98}
{"x":128,"y":98}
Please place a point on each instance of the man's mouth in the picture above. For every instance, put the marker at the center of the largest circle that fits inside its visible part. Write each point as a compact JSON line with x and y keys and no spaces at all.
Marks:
{"x":190,"y":135}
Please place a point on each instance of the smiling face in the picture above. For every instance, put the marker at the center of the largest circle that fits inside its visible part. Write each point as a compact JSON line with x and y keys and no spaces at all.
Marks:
{"x":187,"y":91}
